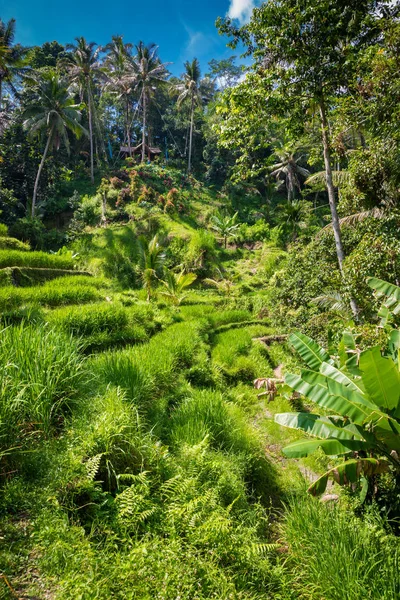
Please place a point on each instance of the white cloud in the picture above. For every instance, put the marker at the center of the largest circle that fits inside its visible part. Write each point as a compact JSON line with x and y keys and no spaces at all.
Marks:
{"x":241,"y":10}
{"x":198,"y":43}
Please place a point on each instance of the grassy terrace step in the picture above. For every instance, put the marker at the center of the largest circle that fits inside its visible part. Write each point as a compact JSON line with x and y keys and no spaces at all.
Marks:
{"x":19,"y":258}
{"x":28,"y":276}
{"x":48,"y":294}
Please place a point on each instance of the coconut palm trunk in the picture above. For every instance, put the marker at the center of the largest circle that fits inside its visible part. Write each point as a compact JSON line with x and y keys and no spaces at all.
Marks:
{"x":191,"y":135}
{"x":35,"y":189}
{"x":144,"y":127}
{"x":128,"y":129}
{"x":90,"y":132}
{"x":331,"y":196}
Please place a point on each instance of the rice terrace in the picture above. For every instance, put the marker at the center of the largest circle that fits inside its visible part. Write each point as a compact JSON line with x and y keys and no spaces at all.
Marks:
{"x":200,"y":300}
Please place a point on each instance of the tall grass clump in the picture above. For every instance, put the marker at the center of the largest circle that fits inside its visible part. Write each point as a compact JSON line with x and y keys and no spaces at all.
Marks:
{"x":48,"y":294}
{"x":335,"y":555}
{"x":207,"y":415}
{"x":152,"y":370}
{"x":18,"y":258}
{"x":41,"y":376}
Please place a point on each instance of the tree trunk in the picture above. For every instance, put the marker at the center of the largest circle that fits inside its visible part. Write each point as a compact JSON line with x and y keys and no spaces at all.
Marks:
{"x":144,"y":126}
{"x":128,"y":129}
{"x":35,"y":189}
{"x":191,"y":135}
{"x":1,"y":92}
{"x":331,"y":195}
{"x":90,"y":132}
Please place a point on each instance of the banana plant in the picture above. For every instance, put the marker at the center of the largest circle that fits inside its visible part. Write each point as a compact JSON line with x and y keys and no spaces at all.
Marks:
{"x":360,"y":395}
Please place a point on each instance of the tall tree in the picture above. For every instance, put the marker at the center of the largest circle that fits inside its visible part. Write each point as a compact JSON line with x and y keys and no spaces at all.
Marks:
{"x":306,"y":50}
{"x":121,"y":78}
{"x":11,"y":56}
{"x":150,"y":72}
{"x":225,"y":72}
{"x":84,"y":69}
{"x":52,"y":111}
{"x":189,"y":89}
{"x":289,"y":168}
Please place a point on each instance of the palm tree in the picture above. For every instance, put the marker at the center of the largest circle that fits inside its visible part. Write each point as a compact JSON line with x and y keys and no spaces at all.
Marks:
{"x":291,"y":215}
{"x":121,"y":77}
{"x":189,"y":89}
{"x":289,"y":169}
{"x":54,"y":112}
{"x":149,"y":72}
{"x":84,"y":68}
{"x":175,"y":284}
{"x":10,"y":55}
{"x":150,"y":262}
{"x":225,"y":226}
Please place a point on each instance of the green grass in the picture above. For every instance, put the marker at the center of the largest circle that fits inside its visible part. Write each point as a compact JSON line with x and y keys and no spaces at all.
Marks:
{"x":48,"y":294}
{"x":333,"y":554}
{"x":106,"y":324}
{"x":237,"y":358}
{"x":207,"y":416}
{"x":29,"y":276}
{"x":42,"y":372}
{"x":17,"y":258}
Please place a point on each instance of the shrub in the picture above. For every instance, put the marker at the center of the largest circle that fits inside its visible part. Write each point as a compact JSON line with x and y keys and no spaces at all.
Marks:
{"x":9,"y":243}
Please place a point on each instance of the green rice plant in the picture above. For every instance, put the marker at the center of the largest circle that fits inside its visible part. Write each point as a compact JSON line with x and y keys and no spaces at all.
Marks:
{"x":98,"y":283}
{"x":333,"y":554}
{"x":229,"y":316}
{"x":86,"y":320}
{"x":28,"y":276}
{"x":206,"y":415}
{"x":17,"y":258}
{"x":41,"y":375}
{"x":150,"y":371}
{"x":47,"y":295}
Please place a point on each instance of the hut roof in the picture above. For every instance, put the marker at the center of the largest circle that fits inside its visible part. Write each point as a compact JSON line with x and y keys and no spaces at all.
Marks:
{"x":136,"y":149}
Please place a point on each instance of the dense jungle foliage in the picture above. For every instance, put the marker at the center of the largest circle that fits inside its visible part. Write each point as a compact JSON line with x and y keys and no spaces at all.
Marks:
{"x":199,"y":306}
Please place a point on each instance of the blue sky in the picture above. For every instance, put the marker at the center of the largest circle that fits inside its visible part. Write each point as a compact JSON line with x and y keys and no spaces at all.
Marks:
{"x":182,"y":29}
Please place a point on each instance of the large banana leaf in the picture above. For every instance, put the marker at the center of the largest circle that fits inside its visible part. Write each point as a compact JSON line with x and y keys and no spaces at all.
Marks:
{"x":392,"y":303}
{"x":381,"y":378}
{"x":322,"y":427}
{"x":330,"y":446}
{"x":384,"y":288}
{"x":312,"y":354}
{"x":337,"y":398}
{"x":349,"y":472}
{"x":334,"y":373}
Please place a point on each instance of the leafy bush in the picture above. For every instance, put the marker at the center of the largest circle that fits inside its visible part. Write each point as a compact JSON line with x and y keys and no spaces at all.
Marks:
{"x":259,"y":232}
{"x":9,"y":243}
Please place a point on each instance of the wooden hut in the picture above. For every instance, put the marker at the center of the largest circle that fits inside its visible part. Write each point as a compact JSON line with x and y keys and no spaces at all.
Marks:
{"x":150,"y":151}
